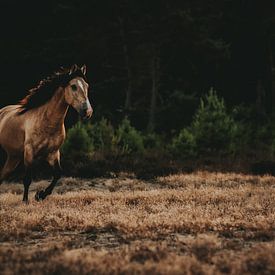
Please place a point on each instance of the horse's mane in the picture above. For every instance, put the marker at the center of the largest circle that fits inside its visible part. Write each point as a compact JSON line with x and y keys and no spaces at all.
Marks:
{"x":46,"y":88}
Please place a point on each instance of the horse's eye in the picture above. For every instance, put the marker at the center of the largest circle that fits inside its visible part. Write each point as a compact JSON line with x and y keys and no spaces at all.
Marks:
{"x":74,"y":88}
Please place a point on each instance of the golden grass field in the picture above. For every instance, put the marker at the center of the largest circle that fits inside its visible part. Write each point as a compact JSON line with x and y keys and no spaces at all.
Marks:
{"x":200,"y":223}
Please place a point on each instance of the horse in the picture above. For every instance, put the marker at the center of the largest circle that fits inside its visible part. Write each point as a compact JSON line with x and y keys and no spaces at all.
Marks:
{"x":34,"y":128}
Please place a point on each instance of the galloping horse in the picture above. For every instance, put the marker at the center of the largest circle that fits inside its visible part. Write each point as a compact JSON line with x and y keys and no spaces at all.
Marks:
{"x":34,"y":128}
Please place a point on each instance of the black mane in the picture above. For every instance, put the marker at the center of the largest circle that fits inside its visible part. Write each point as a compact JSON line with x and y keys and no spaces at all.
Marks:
{"x":46,"y":88}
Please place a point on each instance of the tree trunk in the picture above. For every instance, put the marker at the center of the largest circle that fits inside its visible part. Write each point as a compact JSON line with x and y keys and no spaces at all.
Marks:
{"x":268,"y":77}
{"x":273,"y":89}
{"x":125,"y":47}
{"x":155,"y":71}
{"x":261,"y":96}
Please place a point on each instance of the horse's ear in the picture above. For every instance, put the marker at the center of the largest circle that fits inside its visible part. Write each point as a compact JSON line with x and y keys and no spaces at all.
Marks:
{"x":84,"y":69}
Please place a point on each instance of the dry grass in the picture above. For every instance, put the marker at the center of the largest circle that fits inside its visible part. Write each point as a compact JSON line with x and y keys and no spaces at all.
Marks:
{"x":202,"y":223}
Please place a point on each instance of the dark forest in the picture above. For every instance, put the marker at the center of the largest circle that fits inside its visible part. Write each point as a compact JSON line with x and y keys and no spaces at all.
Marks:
{"x":185,"y":79}
{"x":150,"y":60}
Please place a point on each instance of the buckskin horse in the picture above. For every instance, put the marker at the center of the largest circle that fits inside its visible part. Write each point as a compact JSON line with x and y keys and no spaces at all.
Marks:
{"x":34,"y":128}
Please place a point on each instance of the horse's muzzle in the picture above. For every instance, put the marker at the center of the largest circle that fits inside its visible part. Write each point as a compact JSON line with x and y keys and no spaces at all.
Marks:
{"x":86,"y":111}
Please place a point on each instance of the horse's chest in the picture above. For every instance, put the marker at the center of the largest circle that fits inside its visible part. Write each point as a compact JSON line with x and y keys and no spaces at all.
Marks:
{"x":46,"y":146}
{"x":45,"y":141}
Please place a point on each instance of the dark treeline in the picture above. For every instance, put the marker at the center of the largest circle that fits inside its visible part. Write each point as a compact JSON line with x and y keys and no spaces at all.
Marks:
{"x":149,"y":60}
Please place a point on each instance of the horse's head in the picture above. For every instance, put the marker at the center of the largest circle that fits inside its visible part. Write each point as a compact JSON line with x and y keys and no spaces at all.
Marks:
{"x":76,"y":95}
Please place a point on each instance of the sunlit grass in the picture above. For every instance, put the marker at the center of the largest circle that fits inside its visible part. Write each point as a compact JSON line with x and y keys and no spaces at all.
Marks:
{"x":194,"y":223}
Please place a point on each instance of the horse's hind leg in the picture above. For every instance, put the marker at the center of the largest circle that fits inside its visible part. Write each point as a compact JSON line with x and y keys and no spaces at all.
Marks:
{"x":28,"y":160}
{"x":9,"y":167}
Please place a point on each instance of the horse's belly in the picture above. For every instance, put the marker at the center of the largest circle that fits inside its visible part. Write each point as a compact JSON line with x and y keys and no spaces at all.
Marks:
{"x":12,"y":143}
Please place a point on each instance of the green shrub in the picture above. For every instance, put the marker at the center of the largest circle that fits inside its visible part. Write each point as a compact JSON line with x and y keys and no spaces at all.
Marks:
{"x":102,"y":135}
{"x":255,"y":135}
{"x":265,"y":139}
{"x":245,"y":134}
{"x":128,"y":139}
{"x":152,"y":141}
{"x":77,"y":142}
{"x":213,"y":127}
{"x":184,"y":144}
{"x":213,"y":130}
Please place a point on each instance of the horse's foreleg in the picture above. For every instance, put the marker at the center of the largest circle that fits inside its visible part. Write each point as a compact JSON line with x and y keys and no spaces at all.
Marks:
{"x":27,"y":182}
{"x":41,"y":195}
{"x":57,"y":171}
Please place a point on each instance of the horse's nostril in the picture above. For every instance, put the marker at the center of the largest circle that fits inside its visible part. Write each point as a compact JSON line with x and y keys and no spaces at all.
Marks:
{"x":90,"y":111}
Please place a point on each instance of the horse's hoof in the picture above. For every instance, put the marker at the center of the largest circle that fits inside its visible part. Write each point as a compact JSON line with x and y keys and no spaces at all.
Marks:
{"x":39,"y":196}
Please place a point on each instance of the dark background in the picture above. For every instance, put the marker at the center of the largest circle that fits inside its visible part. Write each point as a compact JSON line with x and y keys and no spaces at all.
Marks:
{"x":150,"y":60}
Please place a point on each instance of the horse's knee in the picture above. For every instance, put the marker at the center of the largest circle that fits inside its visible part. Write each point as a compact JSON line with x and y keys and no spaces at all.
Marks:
{"x":28,"y":156}
{"x":54,"y":158}
{"x":54,"y":162}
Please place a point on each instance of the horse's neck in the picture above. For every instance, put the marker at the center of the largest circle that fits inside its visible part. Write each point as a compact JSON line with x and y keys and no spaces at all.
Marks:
{"x":54,"y":112}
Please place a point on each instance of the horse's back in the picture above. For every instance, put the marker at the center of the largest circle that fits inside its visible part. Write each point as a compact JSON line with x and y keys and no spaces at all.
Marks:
{"x":9,"y":110}
{"x":9,"y":116}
